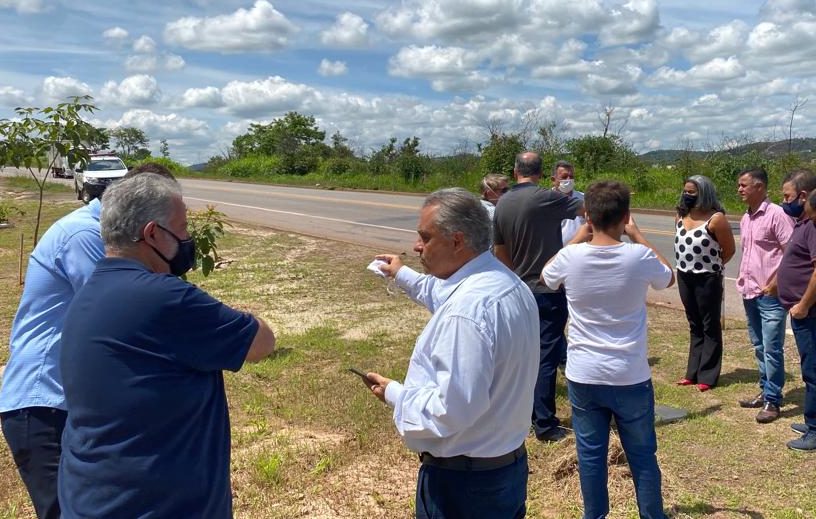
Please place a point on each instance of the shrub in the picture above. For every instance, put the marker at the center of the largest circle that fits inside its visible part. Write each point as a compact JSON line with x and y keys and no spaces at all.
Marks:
{"x":258,"y":167}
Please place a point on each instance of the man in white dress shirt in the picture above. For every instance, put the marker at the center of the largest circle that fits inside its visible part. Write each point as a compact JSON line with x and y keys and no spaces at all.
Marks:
{"x":563,"y":181}
{"x":465,"y":403}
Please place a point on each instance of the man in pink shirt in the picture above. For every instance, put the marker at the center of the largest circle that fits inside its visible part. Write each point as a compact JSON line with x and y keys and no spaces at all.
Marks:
{"x":765,"y":229}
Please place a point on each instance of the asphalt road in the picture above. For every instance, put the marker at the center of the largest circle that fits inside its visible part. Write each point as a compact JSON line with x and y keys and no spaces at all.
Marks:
{"x":385,"y":221}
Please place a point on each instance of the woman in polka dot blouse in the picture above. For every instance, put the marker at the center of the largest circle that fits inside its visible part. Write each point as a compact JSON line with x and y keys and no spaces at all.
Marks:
{"x":703,"y":244}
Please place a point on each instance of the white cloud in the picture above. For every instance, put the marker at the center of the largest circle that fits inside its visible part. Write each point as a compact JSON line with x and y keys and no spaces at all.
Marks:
{"x":716,"y":72}
{"x":153,"y":62}
{"x":261,"y":28}
{"x":635,"y":21}
{"x":137,"y":90}
{"x":158,"y":126}
{"x":207,"y":97}
{"x":58,"y":89}
{"x":13,"y":97}
{"x":349,"y":30}
{"x":144,"y":45}
{"x":332,"y":68}
{"x":24,"y":6}
{"x":450,"y":19}
{"x":115,"y":33}
{"x":270,"y":95}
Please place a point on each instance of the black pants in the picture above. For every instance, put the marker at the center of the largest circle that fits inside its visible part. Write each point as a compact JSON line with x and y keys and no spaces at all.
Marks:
{"x":552,"y":318}
{"x":33,"y":435}
{"x":702,"y":297}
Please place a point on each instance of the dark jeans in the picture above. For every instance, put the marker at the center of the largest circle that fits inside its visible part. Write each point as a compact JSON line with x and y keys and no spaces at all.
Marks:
{"x":552,"y":316}
{"x":702,"y":298}
{"x":593,"y":407}
{"x":804,"y":331}
{"x":33,"y":435}
{"x":462,"y":494}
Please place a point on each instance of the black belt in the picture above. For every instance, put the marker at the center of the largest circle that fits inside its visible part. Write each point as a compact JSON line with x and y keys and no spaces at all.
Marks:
{"x":474,"y":464}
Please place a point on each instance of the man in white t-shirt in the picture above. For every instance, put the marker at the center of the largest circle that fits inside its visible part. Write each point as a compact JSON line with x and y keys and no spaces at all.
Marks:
{"x":607,"y":369}
{"x":563,"y":181}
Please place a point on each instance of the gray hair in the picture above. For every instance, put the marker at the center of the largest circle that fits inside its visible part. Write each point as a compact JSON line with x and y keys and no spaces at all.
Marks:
{"x":706,"y":195}
{"x":128,"y":205}
{"x":460,"y":211}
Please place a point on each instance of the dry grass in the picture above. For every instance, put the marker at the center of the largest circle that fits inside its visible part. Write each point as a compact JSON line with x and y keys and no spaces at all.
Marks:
{"x":310,"y":441}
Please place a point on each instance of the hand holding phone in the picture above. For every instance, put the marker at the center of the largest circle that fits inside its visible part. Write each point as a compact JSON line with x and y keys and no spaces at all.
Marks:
{"x":360,"y":373}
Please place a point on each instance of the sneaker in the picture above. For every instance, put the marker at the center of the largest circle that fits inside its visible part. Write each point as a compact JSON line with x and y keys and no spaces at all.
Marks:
{"x":800,"y":428}
{"x":806,"y":443}
{"x":556,"y":434}
{"x":753,"y":403}
{"x":769,"y":413}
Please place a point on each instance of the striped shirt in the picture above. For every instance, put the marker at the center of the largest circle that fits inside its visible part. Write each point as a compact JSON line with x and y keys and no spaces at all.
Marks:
{"x":763,"y":235}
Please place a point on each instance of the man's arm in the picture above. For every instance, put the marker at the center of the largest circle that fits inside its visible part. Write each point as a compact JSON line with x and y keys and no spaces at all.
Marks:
{"x":800,"y":310}
{"x":419,"y":287}
{"x":457,"y":392}
{"x":263,"y":344}
{"x":633,"y":232}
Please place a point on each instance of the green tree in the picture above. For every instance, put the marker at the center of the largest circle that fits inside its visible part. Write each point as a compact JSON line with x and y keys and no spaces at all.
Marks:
{"x":129,"y":140}
{"x":593,"y":153}
{"x":37,"y":137}
{"x":412,"y":166}
{"x":164,"y":149}
{"x":295,"y":138}
{"x":499,"y":154}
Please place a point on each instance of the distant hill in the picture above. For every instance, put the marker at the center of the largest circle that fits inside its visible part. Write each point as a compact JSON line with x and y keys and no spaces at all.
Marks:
{"x":806,"y":148}
{"x":198,"y":167}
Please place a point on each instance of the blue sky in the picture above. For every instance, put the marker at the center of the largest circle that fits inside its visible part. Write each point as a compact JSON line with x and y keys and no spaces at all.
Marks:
{"x":198,"y":72}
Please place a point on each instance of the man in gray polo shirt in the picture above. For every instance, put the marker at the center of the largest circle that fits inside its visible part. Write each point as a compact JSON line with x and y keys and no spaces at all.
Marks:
{"x":527,"y":233}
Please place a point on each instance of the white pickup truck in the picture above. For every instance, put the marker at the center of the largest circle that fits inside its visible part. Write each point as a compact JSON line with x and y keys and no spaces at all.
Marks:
{"x":99,"y":172}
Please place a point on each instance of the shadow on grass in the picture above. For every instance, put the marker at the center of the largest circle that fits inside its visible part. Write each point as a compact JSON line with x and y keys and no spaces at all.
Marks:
{"x":653,"y":361}
{"x":796,"y":398}
{"x":704,"y":509}
{"x":281,"y":353}
{"x":738,"y":376}
{"x":690,"y":416}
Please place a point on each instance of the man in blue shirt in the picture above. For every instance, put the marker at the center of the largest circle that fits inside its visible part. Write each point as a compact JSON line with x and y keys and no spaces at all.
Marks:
{"x":32,"y":405}
{"x":147,"y":432}
{"x":465,"y":403}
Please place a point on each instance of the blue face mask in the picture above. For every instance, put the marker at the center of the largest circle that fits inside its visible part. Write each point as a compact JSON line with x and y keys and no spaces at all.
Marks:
{"x":793,"y":209}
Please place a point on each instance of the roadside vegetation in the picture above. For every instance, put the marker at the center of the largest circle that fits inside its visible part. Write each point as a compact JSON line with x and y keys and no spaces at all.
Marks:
{"x":309,"y":440}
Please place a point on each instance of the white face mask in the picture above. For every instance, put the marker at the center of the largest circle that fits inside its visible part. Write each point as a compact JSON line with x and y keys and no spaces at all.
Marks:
{"x":566,"y":186}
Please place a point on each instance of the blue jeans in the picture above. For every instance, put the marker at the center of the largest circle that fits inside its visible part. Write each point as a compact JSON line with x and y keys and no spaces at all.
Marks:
{"x":34,"y":435}
{"x":766,"y":329}
{"x":593,"y":407}
{"x":461,"y":494}
{"x":552,"y":317}
{"x":804,"y":330}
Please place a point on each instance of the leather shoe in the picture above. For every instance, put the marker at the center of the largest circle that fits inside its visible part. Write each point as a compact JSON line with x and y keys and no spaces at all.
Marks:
{"x":555,"y":434}
{"x":703,"y":387}
{"x":806,"y":443}
{"x":684,"y":382}
{"x":769,"y":413}
{"x":801,"y":428}
{"x":753,"y":403}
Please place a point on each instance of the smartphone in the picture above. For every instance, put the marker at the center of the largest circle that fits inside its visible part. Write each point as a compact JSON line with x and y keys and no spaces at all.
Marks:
{"x":362,"y":375}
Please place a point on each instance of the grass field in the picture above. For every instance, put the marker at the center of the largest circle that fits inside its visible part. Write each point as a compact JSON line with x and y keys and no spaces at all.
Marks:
{"x":310,"y":441}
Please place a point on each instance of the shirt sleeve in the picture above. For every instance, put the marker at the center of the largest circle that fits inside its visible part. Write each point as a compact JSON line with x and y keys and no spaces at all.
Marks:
{"x":456,"y":394}
{"x":657,"y":274}
{"x":79,"y":255}
{"x":207,"y":334}
{"x":783,"y":228}
{"x":419,"y":287}
{"x":554,"y":273}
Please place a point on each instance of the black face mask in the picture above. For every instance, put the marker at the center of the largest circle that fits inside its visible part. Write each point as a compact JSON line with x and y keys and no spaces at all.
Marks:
{"x":793,"y":209}
{"x":689,"y":200}
{"x":185,"y":256}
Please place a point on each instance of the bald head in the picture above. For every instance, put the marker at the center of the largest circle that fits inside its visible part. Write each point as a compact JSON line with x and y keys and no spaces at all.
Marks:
{"x":528,"y":164}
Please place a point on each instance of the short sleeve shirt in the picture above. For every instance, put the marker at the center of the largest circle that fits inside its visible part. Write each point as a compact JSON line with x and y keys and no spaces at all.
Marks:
{"x":147,"y":433}
{"x":796,"y":268}
{"x":528,"y":222}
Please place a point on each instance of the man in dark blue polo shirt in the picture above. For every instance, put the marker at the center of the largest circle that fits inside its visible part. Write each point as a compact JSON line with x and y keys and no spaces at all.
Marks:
{"x":796,"y":285}
{"x":147,"y":433}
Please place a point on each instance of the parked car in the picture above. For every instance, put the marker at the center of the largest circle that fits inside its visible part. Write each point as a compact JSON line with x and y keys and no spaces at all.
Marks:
{"x":101,"y":170}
